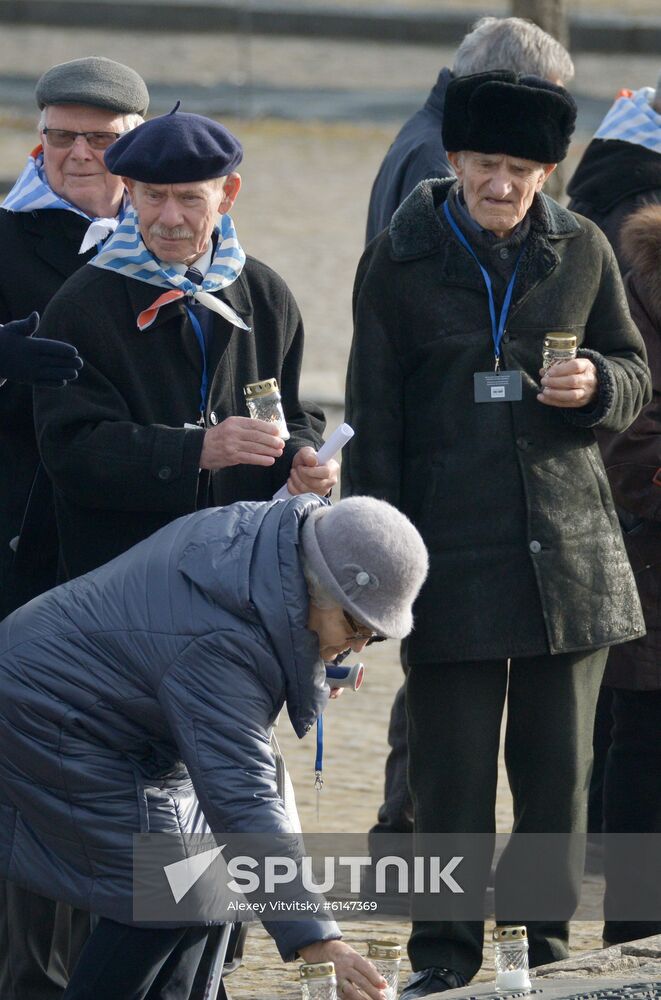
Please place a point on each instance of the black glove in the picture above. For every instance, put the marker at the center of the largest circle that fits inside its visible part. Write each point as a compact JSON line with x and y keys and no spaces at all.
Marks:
{"x":34,"y":360}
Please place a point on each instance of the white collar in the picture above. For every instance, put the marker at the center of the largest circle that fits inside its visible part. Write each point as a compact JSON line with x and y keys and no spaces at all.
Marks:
{"x":202,"y":264}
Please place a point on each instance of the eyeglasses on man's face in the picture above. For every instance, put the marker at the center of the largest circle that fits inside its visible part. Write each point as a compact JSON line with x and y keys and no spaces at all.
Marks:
{"x":62,"y":138}
{"x":358,"y":631}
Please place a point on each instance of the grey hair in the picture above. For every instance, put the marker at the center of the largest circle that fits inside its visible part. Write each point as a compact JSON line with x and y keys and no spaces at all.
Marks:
{"x":319,"y":596}
{"x":512,"y":43}
{"x":129,"y":121}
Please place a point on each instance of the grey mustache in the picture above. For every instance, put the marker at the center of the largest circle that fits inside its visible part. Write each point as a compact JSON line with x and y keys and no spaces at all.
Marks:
{"x":178,"y":233}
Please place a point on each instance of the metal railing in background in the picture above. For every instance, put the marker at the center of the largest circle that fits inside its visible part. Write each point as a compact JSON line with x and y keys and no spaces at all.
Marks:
{"x":590,"y":31}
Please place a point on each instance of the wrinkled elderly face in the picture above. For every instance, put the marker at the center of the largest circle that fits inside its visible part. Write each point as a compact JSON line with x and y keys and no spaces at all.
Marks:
{"x":498,"y":189}
{"x":79,"y":173}
{"x":335,"y":632}
{"x":177,"y":220}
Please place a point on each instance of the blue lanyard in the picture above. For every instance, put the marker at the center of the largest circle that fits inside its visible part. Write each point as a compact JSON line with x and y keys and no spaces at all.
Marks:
{"x":203,"y":347}
{"x":497,"y":328}
{"x":319,"y":758}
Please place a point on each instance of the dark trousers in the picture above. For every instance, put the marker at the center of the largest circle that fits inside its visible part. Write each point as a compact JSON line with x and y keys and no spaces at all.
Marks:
{"x":40,"y":941}
{"x":120,"y":962}
{"x":455,"y":712}
{"x":601,"y":741}
{"x":396,"y":812}
{"x":632,"y":804}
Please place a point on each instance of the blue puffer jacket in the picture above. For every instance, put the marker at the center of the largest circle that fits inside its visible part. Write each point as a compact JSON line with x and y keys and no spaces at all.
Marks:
{"x":140,"y":697}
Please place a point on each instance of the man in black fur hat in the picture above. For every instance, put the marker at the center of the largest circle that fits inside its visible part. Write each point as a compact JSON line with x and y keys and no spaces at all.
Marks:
{"x":495,"y":462}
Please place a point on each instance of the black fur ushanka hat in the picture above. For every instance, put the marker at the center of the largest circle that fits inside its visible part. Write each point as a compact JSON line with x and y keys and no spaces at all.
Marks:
{"x":502,"y":112}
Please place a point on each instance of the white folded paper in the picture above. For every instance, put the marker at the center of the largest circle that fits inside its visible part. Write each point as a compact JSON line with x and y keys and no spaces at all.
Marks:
{"x":328,"y":450}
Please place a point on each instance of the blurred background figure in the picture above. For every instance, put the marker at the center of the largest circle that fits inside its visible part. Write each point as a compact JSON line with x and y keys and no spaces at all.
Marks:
{"x":620,"y":171}
{"x":621,"y":168}
{"x":417,"y":152}
{"x":632,"y":780}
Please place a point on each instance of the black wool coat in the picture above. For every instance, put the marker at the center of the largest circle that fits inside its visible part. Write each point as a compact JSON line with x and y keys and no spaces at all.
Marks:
{"x":511,"y":498}
{"x":38,"y":252}
{"x":416,"y":153}
{"x":114,"y":442}
{"x":633,"y":460}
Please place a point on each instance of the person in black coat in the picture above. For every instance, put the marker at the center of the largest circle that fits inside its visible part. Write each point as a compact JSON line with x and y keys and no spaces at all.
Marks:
{"x":59,"y":208}
{"x":632,"y":779}
{"x":620,"y":170}
{"x":495,"y":462}
{"x":157,"y":426}
{"x":619,"y":173}
{"x":417,"y":153}
{"x":63,"y":192}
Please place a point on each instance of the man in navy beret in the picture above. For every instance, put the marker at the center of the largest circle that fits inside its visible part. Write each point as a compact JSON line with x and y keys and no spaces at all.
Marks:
{"x":173,"y":320}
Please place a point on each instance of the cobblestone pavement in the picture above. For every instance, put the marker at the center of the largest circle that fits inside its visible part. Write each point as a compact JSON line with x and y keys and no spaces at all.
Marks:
{"x":354,"y":749}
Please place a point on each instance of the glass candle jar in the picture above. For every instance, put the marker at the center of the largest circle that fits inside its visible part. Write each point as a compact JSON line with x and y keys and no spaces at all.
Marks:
{"x":558,"y":347}
{"x":386,"y":956}
{"x":318,"y":981}
{"x":264,"y":403}
{"x":510,"y":945}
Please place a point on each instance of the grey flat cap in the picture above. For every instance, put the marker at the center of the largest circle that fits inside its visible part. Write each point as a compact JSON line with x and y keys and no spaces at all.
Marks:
{"x":97,"y":81}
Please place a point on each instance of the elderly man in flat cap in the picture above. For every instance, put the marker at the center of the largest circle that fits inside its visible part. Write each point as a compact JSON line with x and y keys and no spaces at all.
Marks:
{"x":51,"y":223}
{"x":173,"y":320}
{"x":495,"y":461}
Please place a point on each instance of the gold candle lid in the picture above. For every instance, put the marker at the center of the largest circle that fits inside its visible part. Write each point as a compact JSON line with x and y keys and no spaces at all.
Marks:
{"x":262,"y":388}
{"x":317,"y":970}
{"x":512,"y":933}
{"x":561,"y":341}
{"x":384,"y":950}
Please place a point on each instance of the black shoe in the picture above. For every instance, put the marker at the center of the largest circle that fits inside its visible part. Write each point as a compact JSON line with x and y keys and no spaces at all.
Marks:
{"x":428,"y":981}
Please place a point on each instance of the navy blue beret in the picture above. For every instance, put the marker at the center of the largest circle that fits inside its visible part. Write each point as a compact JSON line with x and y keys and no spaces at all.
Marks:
{"x":177,"y":148}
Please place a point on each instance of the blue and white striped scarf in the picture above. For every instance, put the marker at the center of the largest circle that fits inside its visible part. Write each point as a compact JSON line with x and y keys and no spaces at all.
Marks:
{"x":32,"y":192}
{"x":633,"y":119}
{"x":125,"y":253}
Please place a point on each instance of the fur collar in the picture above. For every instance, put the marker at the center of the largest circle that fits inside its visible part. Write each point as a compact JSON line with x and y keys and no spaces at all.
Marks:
{"x":418,"y":228}
{"x":640,"y":239}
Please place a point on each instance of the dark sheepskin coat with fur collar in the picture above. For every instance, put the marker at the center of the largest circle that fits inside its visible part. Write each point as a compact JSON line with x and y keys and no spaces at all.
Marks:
{"x":633,"y":459}
{"x":512,"y":499}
